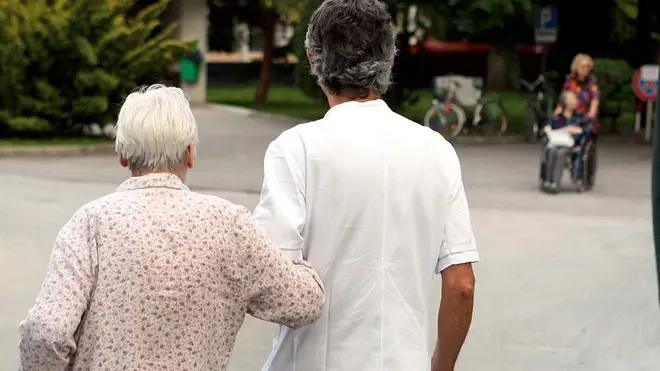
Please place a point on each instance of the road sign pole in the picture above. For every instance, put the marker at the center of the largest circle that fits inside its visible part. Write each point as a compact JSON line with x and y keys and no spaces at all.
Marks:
{"x":649,"y":120}
{"x":655,"y":188}
{"x":544,"y":61}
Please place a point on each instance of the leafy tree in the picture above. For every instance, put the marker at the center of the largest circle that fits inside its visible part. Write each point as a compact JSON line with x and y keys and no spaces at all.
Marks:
{"x":265,"y":14}
{"x":66,"y":63}
{"x":638,"y":20}
{"x":273,"y":10}
{"x":496,"y":22}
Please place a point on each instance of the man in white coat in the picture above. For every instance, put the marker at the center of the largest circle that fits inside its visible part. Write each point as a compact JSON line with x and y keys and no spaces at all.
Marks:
{"x":375,"y":202}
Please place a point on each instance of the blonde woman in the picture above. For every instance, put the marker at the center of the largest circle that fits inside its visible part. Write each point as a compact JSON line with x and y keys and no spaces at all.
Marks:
{"x":584,"y":85}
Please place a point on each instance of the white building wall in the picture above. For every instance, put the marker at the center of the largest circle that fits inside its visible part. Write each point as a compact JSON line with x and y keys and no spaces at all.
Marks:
{"x":192,"y":17}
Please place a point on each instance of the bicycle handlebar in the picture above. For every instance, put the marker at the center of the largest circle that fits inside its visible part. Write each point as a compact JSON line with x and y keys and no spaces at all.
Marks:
{"x":531,"y":86}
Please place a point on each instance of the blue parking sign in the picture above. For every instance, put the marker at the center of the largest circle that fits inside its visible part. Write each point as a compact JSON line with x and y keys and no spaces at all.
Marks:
{"x":545,"y":25}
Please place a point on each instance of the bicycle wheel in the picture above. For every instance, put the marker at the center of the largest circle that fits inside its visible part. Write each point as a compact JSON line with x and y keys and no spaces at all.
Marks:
{"x":589,"y":164}
{"x":492,"y":117}
{"x":532,"y":124}
{"x":445,"y":118}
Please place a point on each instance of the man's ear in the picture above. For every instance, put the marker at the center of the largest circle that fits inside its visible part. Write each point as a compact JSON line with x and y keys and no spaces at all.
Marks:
{"x":309,"y":58}
{"x":122,"y":161}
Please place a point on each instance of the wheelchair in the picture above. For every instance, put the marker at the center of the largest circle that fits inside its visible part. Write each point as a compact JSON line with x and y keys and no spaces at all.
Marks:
{"x":558,"y":158}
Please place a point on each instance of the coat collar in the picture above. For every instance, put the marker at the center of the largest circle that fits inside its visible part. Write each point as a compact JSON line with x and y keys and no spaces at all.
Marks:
{"x":154,"y":180}
{"x":348,"y":106}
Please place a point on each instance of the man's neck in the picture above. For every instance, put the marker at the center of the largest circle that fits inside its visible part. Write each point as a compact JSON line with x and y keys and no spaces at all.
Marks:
{"x":335,"y":100}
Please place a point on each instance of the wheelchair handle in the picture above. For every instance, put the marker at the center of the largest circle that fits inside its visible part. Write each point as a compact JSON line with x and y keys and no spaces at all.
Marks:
{"x":531,"y":86}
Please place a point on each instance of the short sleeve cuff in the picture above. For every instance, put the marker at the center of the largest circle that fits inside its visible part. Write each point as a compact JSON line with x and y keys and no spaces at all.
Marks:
{"x":463,"y":257}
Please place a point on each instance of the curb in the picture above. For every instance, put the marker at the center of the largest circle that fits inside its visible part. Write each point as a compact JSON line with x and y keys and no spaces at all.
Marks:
{"x":461,"y":140}
{"x":249,"y":112}
{"x":519,"y":139}
{"x":508,"y":139}
{"x":58,"y":150}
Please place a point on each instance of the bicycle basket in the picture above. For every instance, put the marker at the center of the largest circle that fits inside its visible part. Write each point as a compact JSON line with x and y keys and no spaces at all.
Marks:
{"x":467,"y":92}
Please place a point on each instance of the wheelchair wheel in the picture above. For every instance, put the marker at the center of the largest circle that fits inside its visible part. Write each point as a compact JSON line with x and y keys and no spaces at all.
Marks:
{"x":543,"y":171}
{"x":542,"y":176}
{"x":589,"y":164}
{"x":445,"y":118}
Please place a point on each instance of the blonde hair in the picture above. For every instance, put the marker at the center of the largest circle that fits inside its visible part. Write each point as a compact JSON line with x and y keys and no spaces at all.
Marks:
{"x":580,"y":57}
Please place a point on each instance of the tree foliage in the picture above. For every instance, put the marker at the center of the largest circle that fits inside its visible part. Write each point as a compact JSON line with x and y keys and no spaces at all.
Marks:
{"x":625,"y":15}
{"x":489,"y":21}
{"x":264,"y":14}
{"x":68,"y":63}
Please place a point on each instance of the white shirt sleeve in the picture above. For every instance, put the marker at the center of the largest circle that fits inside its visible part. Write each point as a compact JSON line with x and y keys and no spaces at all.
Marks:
{"x":458,"y":245}
{"x":281,"y":212}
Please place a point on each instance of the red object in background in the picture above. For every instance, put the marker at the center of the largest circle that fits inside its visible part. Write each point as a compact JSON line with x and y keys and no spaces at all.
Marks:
{"x":646,"y":91}
{"x":437,"y":46}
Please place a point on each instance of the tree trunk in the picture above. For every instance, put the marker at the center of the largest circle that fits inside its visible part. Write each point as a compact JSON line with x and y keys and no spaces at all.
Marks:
{"x":269,"y":21}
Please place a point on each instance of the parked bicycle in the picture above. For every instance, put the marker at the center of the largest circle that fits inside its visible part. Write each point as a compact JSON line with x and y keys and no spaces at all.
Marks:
{"x":538,"y":108}
{"x":447,"y":115}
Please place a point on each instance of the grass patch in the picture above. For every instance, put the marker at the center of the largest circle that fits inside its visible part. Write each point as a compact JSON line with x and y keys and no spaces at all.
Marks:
{"x":20,"y":142}
{"x":283,"y":100}
{"x":290,"y":101}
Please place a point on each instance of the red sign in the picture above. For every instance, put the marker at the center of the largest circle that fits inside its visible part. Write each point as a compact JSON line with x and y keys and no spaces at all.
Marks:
{"x":644,"y":86}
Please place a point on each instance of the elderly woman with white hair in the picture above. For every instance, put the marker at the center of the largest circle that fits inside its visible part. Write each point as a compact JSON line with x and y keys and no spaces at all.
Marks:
{"x":155,"y":276}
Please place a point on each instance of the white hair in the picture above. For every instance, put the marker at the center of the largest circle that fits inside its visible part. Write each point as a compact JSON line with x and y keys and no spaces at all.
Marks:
{"x":155,"y":127}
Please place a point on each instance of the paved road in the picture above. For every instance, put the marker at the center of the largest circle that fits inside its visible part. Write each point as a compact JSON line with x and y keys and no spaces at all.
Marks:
{"x":566,"y":282}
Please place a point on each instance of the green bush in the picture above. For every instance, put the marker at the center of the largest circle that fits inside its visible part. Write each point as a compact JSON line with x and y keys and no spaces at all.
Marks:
{"x":614,"y":77}
{"x":66,"y":64}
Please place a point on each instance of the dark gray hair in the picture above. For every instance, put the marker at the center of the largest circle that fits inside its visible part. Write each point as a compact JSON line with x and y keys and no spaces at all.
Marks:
{"x":351,"y":46}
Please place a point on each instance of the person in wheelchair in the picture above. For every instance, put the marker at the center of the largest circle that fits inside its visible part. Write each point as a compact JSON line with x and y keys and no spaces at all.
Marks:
{"x":553,"y":160}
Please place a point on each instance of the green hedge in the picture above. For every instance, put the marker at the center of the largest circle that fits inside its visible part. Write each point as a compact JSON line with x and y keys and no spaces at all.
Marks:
{"x":615,"y":76}
{"x":66,"y":64}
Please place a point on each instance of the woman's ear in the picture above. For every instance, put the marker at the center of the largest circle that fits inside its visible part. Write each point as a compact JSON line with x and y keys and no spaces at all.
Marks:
{"x":122,"y":161}
{"x":190,"y":156}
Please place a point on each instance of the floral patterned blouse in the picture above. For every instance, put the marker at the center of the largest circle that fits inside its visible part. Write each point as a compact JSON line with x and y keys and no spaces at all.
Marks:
{"x":156,"y":277}
{"x":586,"y":91}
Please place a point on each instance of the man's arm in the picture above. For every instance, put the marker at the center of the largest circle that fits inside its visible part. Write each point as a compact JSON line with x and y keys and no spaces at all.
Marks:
{"x":280,"y":290}
{"x":454,"y":316}
{"x":281,"y":212}
{"x":457,"y":254}
{"x":47,"y":334}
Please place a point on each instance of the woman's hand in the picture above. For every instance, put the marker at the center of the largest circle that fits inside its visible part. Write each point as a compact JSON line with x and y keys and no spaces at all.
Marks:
{"x":574,"y":130}
{"x":591,"y":115}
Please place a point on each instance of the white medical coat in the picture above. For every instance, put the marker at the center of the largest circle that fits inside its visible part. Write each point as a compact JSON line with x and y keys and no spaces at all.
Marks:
{"x":375,"y":202}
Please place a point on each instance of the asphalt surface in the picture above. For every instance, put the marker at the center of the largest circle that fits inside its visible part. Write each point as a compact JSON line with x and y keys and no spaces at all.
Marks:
{"x":566,"y":282}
